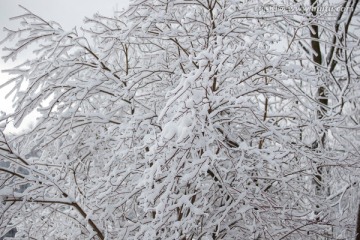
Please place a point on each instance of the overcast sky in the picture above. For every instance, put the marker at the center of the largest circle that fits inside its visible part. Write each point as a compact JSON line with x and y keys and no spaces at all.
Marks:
{"x":68,"y":13}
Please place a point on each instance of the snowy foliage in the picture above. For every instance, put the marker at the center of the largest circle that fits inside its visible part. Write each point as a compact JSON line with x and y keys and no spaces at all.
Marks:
{"x":181,"y":119}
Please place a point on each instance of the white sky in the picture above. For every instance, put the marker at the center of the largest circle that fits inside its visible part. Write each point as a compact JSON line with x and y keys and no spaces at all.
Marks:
{"x":68,"y":13}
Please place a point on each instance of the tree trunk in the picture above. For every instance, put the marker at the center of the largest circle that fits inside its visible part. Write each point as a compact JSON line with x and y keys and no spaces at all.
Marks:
{"x":357,"y":235}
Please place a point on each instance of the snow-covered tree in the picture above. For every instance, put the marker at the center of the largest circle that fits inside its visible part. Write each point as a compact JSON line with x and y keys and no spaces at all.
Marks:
{"x":181,"y":119}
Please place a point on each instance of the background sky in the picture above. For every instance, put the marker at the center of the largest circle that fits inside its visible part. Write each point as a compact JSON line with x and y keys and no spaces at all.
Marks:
{"x":69,"y":13}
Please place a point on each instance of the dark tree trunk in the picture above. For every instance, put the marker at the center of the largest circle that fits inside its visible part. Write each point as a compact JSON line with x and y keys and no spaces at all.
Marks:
{"x":358,"y":225}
